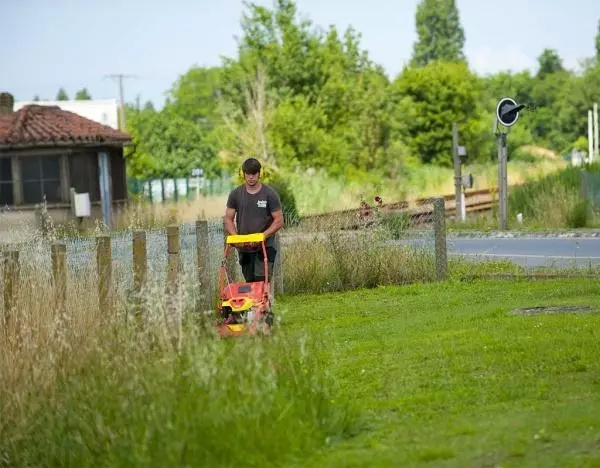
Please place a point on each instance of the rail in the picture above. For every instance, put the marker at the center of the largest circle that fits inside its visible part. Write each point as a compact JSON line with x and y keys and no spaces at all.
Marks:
{"x":476,"y":201}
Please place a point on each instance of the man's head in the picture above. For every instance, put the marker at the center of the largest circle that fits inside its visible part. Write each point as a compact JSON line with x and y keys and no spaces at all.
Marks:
{"x":251,"y":169}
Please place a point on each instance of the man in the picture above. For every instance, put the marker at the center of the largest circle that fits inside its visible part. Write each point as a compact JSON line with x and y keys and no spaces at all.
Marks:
{"x":256,"y":208}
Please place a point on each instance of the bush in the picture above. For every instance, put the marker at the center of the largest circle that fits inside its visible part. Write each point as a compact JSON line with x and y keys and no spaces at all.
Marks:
{"x":288,"y":200}
{"x":578,"y":216}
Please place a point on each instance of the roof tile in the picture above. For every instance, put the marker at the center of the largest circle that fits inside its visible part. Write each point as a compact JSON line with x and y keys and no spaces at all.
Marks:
{"x":47,"y":125}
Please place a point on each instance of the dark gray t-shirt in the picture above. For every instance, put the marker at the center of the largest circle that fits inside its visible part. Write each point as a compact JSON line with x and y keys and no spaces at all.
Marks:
{"x":253,"y":211}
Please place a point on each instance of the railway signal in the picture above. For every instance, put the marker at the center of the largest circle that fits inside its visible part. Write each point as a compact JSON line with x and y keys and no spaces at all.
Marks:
{"x":507,"y":114}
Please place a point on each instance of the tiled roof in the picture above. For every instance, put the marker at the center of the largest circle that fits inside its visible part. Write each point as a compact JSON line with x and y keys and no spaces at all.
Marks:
{"x":36,"y":125}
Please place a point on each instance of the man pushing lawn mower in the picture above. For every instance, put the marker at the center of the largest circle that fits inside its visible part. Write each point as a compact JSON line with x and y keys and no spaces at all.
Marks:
{"x":252,"y":218}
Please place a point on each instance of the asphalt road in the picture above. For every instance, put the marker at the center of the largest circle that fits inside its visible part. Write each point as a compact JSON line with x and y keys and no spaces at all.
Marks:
{"x":530,"y":251}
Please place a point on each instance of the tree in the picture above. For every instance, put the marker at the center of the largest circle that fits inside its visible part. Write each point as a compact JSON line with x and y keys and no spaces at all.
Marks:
{"x":440,"y":34}
{"x":167,"y":145}
{"x":62,"y":95}
{"x":195,"y":95}
{"x":82,"y":95}
{"x":327,"y":100}
{"x":428,"y":100}
{"x":598,"y":43}
{"x":36,"y":98}
{"x":549,"y":62}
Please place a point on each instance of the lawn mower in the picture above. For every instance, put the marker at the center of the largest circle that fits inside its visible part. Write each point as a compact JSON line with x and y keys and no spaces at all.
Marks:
{"x":244,"y":308}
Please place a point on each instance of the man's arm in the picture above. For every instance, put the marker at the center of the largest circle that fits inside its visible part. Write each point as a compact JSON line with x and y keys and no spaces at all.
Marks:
{"x":229,"y":224}
{"x":276,"y":212}
{"x":276,"y":225}
{"x":230,"y":211}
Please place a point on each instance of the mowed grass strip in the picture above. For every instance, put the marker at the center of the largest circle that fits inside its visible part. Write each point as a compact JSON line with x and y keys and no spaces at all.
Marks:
{"x":441,"y":375}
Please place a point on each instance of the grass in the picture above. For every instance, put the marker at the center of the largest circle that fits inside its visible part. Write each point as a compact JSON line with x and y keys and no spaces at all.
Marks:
{"x":83,"y":387}
{"x":350,"y":379}
{"x":391,"y":376}
{"x":552,"y":202}
{"x":319,"y":193}
{"x":442,"y":374}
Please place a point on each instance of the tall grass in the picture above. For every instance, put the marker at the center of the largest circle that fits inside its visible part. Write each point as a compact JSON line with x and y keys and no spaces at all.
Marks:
{"x":554,"y":201}
{"x":85,"y":387}
{"x":317,"y":192}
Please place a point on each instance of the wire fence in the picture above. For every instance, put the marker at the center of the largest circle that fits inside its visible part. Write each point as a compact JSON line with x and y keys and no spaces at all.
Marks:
{"x":361,"y":248}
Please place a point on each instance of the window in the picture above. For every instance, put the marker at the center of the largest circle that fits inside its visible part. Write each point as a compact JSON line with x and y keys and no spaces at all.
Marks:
{"x":6,"y":185}
{"x":41,"y":176}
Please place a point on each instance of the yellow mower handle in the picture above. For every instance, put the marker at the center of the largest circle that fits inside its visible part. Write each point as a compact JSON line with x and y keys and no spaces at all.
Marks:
{"x":245,"y":238}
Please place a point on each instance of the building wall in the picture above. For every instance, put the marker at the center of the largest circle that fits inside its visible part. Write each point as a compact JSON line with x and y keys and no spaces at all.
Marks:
{"x":19,"y":219}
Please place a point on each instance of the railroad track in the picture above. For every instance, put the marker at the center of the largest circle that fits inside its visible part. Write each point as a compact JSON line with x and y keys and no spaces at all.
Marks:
{"x":419,"y":210}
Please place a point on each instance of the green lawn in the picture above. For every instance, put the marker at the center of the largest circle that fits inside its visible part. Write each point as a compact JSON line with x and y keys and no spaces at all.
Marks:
{"x":441,"y":374}
{"x":421,"y":375}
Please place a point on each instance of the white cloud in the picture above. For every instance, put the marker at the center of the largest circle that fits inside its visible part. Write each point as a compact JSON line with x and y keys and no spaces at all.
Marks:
{"x":487,"y":60}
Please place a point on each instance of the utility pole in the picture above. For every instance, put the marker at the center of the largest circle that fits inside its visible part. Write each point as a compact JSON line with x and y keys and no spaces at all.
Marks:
{"x":590,"y":137}
{"x":503,"y":181}
{"x":596,"y":132}
{"x":457,"y":173}
{"x":120,"y":77}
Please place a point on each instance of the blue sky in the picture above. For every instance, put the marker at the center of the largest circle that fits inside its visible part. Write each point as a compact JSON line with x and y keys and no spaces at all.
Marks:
{"x":75,"y":43}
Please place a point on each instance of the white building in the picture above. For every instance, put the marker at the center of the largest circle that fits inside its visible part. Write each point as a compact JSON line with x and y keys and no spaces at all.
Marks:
{"x":104,"y":111}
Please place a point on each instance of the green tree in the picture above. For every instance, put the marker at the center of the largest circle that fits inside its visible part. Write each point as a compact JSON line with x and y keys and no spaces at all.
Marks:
{"x":167,"y":145}
{"x":83,"y":95}
{"x":440,"y":34}
{"x":598,"y":43}
{"x":327,"y":100}
{"x":428,"y":100}
{"x":549,"y":62}
{"x":195,"y":96}
{"x":574,"y":97}
{"x":62,"y":95}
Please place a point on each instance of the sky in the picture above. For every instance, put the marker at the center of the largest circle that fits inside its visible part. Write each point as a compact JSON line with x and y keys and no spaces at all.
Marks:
{"x":48,"y":44}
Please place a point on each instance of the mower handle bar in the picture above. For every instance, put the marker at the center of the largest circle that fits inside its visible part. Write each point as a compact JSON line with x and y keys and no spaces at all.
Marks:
{"x":245,"y":238}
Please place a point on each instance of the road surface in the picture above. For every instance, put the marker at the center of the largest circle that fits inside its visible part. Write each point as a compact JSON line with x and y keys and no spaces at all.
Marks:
{"x":531,"y":251}
{"x":524,"y":251}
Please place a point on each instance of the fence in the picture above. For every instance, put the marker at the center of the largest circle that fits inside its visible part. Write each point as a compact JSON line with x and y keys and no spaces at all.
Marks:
{"x":119,"y":266}
{"x":164,"y":189}
{"x":372,"y":249}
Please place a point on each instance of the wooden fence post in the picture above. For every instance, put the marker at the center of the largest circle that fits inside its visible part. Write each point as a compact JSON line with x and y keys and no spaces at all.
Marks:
{"x":11,"y":286}
{"x":203,"y":266}
{"x":278,"y":267}
{"x":439,"y":226}
{"x":59,"y":276}
{"x":231,"y":261}
{"x":140,"y":269}
{"x":104,"y":269}
{"x":173,"y":243}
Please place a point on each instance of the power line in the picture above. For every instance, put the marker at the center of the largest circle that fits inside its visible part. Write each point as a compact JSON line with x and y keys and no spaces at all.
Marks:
{"x":120,"y":77}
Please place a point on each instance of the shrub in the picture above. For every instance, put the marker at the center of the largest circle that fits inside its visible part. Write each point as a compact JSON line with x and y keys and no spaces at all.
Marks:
{"x":578,"y":215}
{"x":288,"y":200}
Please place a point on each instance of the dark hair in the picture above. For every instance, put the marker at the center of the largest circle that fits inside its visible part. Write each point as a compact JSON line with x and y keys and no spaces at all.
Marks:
{"x":251,"y":166}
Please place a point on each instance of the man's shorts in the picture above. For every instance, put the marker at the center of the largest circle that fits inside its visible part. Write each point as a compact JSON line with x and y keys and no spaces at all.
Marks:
{"x":252,"y":264}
